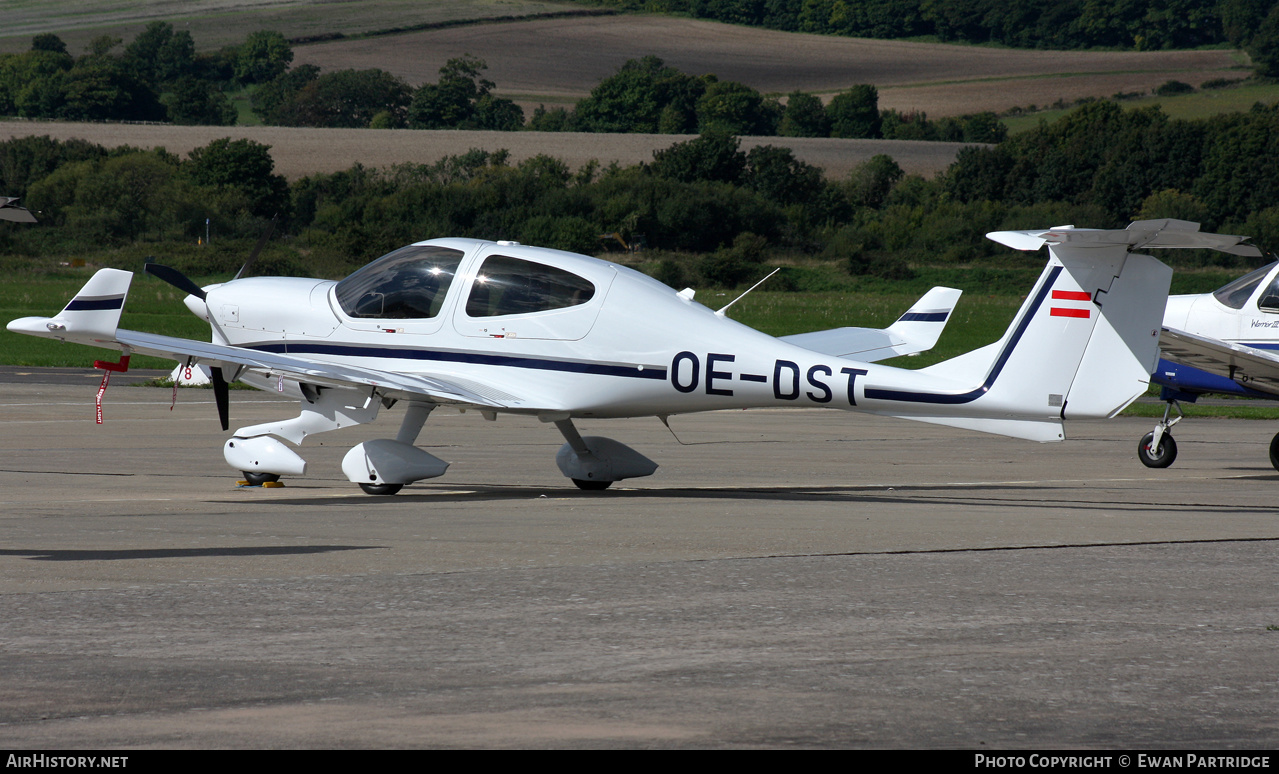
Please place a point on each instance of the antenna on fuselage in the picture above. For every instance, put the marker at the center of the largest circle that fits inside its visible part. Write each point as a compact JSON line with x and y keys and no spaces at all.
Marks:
{"x":720,"y":312}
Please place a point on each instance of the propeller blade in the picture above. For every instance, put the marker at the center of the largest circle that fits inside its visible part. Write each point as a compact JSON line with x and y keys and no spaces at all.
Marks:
{"x":221,"y":396}
{"x":253,"y":256}
{"x":175,"y":278}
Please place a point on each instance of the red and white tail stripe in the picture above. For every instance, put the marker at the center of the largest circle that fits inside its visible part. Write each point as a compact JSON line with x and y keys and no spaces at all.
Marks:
{"x":1071,"y":311}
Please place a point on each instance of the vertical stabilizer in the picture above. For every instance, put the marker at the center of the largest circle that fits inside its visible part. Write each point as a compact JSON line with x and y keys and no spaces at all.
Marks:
{"x":1082,"y":345}
{"x":1088,"y":337}
{"x":1029,"y":373}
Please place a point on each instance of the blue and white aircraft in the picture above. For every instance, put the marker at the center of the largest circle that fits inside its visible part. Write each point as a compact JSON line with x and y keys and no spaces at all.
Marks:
{"x":1224,"y":342}
{"x":498,"y":327}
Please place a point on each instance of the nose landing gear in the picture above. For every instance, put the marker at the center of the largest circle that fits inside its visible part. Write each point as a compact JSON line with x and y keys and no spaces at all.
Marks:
{"x":1157,"y":449}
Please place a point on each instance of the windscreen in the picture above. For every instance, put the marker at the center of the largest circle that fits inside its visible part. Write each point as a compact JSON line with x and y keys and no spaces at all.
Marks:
{"x":409,"y":283}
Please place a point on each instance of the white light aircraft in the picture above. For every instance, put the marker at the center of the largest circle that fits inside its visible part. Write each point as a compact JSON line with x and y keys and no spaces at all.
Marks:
{"x":1224,"y":342}
{"x":498,"y":327}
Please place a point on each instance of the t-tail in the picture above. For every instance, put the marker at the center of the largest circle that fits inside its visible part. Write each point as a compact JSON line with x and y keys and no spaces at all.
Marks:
{"x":1082,"y":346}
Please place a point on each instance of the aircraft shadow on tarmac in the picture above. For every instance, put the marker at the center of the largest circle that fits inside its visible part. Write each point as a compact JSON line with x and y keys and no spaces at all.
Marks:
{"x":81,"y":555}
{"x":1259,"y":477}
{"x":961,"y":495}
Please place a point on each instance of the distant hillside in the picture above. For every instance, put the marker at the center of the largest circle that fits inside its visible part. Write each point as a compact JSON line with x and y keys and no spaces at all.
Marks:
{"x":559,"y":61}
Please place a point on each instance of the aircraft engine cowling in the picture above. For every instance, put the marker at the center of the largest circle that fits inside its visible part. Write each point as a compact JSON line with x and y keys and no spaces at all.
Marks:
{"x":606,"y":460}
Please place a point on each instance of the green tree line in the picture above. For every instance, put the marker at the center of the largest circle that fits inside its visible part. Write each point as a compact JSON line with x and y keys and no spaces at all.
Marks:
{"x":644,"y":95}
{"x":1056,"y":24}
{"x":159,"y":77}
{"x":647,"y":95}
{"x":708,"y":211}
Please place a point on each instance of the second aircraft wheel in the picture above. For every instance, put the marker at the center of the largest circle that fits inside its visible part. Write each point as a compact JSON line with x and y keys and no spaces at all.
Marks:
{"x":1274,"y":452}
{"x":591,"y":486}
{"x":1166,"y":453}
{"x":258,"y":479}
{"x":381,"y":489}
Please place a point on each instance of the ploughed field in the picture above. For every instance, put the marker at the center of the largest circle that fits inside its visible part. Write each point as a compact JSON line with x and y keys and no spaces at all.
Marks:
{"x":558,"y":61}
{"x":217,"y":23}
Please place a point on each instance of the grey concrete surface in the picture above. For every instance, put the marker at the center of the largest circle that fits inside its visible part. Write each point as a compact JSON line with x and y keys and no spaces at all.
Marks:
{"x":786,"y":579}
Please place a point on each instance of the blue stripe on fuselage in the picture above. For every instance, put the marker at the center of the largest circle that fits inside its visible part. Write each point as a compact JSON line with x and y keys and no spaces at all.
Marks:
{"x":451,"y":356}
{"x":1184,"y":378}
{"x":873,"y":393}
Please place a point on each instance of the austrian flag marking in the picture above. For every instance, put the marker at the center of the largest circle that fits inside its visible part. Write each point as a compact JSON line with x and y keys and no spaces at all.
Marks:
{"x":1068,"y":311}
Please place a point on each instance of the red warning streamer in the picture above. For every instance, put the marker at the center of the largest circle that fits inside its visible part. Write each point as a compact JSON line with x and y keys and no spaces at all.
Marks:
{"x":107,"y":368}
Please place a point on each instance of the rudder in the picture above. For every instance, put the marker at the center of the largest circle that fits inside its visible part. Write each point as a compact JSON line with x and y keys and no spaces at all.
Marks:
{"x":1124,"y":348}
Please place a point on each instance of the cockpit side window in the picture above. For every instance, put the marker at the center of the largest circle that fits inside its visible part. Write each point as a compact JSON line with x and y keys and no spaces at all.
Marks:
{"x":1269,"y":301}
{"x":407,"y":284}
{"x":506,"y":285}
{"x":1236,"y":293}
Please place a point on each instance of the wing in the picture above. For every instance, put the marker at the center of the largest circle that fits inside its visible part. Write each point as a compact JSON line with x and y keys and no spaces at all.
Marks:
{"x":915,"y":331}
{"x":397,"y":385}
{"x":1256,"y":369}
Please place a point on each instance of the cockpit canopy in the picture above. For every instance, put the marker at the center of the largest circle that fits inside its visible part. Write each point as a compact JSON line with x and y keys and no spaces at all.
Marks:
{"x":1236,"y":293}
{"x":409,"y":283}
{"x":412,"y":283}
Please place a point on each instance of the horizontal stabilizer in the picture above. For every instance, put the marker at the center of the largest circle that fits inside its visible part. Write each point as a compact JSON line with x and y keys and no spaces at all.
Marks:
{"x":9,"y":210}
{"x":1140,"y":235}
{"x":915,"y":331}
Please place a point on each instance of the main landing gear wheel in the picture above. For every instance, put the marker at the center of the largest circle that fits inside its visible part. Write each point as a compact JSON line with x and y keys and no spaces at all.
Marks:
{"x":1274,"y":452}
{"x":1167,"y":451}
{"x":258,"y":479}
{"x":591,"y":486}
{"x":381,"y":489}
